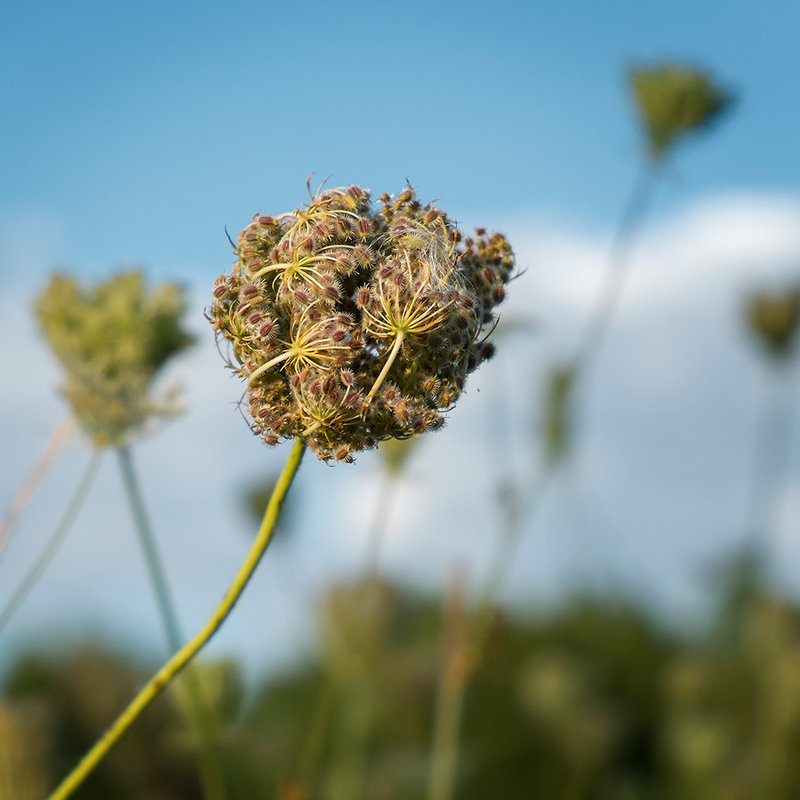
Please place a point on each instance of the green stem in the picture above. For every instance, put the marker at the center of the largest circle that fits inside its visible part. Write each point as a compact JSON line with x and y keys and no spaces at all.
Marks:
{"x":175,"y":664}
{"x":53,"y":543}
{"x":155,"y":568}
{"x":201,"y":716}
{"x":447,"y":723}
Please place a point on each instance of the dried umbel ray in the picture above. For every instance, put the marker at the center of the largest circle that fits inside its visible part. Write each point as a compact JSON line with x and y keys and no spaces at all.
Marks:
{"x":353,"y":323}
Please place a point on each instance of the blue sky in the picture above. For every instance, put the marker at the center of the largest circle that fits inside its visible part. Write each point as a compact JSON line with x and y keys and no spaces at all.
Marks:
{"x":134,"y":133}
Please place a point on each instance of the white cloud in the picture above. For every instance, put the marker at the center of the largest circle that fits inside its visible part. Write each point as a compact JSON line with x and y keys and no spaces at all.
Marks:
{"x":663,"y":461}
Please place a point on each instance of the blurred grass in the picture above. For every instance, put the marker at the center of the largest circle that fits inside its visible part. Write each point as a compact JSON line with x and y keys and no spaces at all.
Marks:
{"x":591,"y":700}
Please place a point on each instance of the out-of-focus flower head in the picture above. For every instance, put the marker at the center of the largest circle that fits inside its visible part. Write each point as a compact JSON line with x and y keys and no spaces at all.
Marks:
{"x":353,"y":324}
{"x":674,"y":100}
{"x":772,"y":317}
{"x":112,"y":338}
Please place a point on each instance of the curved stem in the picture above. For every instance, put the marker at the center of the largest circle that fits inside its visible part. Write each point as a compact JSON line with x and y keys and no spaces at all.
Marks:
{"x":53,"y":543}
{"x":26,"y":492}
{"x":175,"y":664}
{"x":209,"y":766}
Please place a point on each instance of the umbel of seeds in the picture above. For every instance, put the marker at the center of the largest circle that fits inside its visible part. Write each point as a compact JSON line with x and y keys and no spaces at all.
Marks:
{"x":353,"y":322}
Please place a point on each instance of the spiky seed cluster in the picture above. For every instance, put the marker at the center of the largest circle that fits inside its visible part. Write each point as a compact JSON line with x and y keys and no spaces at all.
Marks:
{"x":773,"y":318}
{"x":673,"y":100}
{"x":112,"y":338}
{"x":353,"y":324}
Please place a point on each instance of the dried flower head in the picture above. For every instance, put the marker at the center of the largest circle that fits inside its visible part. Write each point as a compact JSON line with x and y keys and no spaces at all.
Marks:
{"x":673,"y":100}
{"x":772,"y":317}
{"x":353,"y":324}
{"x":112,"y":338}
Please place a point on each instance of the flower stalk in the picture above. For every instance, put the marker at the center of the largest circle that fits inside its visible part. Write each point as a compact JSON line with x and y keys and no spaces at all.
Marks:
{"x":178,"y":661}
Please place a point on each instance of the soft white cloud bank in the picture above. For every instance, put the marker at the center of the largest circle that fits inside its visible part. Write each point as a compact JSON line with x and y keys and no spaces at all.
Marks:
{"x":656,"y":488}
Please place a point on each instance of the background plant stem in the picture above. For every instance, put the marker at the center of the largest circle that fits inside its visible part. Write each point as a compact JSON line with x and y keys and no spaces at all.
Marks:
{"x":152,"y":557}
{"x":28,"y":490}
{"x":175,"y":664}
{"x":453,"y":687}
{"x":54,"y":542}
{"x":772,"y":442}
{"x":618,"y":266}
{"x":450,"y":696}
{"x":201,"y":715}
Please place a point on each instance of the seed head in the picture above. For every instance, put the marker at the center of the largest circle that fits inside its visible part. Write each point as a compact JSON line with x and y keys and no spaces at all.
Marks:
{"x":374,"y":317}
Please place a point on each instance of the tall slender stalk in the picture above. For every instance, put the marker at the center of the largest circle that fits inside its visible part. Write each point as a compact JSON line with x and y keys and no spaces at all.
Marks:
{"x":178,"y":661}
{"x":306,"y":771}
{"x":772,"y":440}
{"x":760,"y":481}
{"x":453,"y":687}
{"x":152,"y":557}
{"x":589,"y":346}
{"x":449,"y":707}
{"x":618,"y":266}
{"x":21,"y":500}
{"x":54,"y":542}
{"x":348,"y":773}
{"x":201,"y":716}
